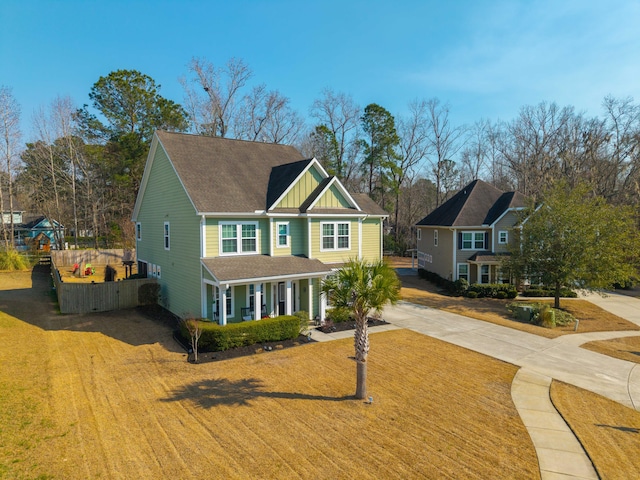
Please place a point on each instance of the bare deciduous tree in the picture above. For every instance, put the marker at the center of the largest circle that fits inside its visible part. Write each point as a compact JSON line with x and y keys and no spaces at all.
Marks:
{"x":9,"y":148}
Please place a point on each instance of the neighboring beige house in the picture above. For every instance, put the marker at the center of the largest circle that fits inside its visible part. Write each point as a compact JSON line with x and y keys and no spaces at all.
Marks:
{"x":464,"y":236}
{"x":236,"y":230}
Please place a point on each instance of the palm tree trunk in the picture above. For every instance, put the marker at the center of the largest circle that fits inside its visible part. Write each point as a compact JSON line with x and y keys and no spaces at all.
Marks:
{"x":361,"y":343}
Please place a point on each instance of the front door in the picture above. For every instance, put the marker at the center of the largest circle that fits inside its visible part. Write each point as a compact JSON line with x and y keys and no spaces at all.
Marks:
{"x":282,"y":298}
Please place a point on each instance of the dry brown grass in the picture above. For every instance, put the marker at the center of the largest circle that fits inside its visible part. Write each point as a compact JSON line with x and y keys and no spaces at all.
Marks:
{"x":592,"y":318}
{"x":624,"y":348}
{"x":110,"y":396}
{"x":608,"y":431}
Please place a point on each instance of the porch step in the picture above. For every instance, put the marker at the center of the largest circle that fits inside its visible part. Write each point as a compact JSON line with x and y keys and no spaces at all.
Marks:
{"x":44,"y":260}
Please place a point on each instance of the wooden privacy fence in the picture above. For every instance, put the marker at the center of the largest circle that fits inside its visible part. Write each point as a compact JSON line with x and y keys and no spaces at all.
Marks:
{"x":96,"y":297}
{"x":66,"y":258}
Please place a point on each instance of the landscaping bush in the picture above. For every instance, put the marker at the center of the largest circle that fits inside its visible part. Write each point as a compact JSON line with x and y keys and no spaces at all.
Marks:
{"x":494,"y":290}
{"x":217,"y":338}
{"x":453,"y":288}
{"x":472,"y":294}
{"x":304,"y":320}
{"x":543,"y":314}
{"x":13,"y":260}
{"x":547,"y":292}
{"x":148,"y":294}
{"x":339,"y":314}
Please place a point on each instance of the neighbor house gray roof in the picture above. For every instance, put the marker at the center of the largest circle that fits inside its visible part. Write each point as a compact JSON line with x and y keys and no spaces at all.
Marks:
{"x":476,"y":204}
{"x":242,"y":268}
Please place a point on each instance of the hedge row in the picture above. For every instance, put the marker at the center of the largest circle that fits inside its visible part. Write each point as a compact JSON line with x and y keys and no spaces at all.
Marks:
{"x":454,"y":288}
{"x":547,"y":292}
{"x":492,"y":290}
{"x":217,"y":338}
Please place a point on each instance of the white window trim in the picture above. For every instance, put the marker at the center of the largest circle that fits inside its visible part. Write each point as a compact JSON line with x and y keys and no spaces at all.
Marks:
{"x":506,"y":237}
{"x":239,"y":250}
{"x":458,"y":271}
{"x":278,"y":245}
{"x":166,"y":234}
{"x":419,"y":234}
{"x":158,"y":273}
{"x":335,"y":236}
{"x":473,"y":239}
{"x":138,"y":231}
{"x":435,"y":238}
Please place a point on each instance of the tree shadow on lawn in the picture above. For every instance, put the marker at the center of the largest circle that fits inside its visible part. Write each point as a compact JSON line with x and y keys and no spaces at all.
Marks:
{"x":215,"y":392}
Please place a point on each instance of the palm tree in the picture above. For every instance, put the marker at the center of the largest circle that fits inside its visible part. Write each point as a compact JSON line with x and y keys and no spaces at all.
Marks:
{"x":362,"y":287}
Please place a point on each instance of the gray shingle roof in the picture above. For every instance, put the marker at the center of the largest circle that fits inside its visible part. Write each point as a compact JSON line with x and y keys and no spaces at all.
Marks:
{"x":237,"y":176}
{"x":236,"y":268}
{"x":476,"y":204}
{"x":224,"y":175}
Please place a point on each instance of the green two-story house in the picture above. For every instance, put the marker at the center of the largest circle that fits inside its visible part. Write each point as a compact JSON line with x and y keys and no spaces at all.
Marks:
{"x":235,"y":230}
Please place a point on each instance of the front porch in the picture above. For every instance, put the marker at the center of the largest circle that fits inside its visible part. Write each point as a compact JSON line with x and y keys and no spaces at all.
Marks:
{"x":251,"y":287}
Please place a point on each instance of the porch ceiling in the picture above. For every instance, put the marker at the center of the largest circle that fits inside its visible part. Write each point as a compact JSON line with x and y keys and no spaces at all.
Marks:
{"x":263,"y":268}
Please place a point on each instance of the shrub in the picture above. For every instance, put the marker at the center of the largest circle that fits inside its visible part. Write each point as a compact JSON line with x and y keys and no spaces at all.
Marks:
{"x":13,"y":260}
{"x":494,"y":290}
{"x":542,"y":314}
{"x":217,"y":338}
{"x":472,"y":294}
{"x":339,"y":314}
{"x":149,"y":293}
{"x":304,"y":320}
{"x":547,"y":292}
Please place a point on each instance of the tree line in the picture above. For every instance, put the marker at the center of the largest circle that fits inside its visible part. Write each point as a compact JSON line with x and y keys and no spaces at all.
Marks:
{"x":83,"y":165}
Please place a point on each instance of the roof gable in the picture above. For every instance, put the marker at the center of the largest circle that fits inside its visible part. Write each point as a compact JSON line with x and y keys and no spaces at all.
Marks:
{"x":476,"y":204}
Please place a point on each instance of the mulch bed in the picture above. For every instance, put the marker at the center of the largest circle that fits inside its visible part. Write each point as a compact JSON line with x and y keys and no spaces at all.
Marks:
{"x":350,"y":325}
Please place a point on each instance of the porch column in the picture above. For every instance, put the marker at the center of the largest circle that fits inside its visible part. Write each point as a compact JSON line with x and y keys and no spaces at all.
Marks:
{"x":222,"y":305}
{"x":274,"y":300}
{"x":288,"y":301}
{"x":257,"y":301}
{"x":323,"y":307}
{"x":310,"y":294}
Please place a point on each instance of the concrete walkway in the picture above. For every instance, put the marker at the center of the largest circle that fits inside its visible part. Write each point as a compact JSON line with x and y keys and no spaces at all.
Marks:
{"x":560,"y":455}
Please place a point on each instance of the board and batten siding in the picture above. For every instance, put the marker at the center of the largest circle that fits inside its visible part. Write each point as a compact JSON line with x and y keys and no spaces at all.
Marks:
{"x":332,"y":198}
{"x":301,"y":190}
{"x":506,"y":223}
{"x":166,"y":201}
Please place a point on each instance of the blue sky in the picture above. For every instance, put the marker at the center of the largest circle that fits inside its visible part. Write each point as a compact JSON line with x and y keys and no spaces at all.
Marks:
{"x":487,"y":59}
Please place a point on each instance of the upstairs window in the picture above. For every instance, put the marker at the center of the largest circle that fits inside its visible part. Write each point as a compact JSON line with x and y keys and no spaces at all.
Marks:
{"x":472,"y":241}
{"x":237,"y":238}
{"x":335,"y":236}
{"x":435,"y":238}
{"x":503,"y":237}
{"x":283,"y":234}
{"x":138,"y":231}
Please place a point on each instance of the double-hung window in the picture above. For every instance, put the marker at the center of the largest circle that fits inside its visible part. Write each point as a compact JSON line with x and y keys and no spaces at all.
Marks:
{"x":167,"y":241}
{"x":335,"y":235}
{"x":283,"y":234}
{"x":473,"y":241}
{"x":503,"y":237}
{"x":237,"y":238}
{"x":435,"y":238}
{"x":138,"y":231}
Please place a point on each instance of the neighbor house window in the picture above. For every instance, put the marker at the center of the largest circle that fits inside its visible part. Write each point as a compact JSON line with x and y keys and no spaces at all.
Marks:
{"x":238,"y":237}
{"x":167,"y":243}
{"x":158,"y":274}
{"x":463,"y":271}
{"x":138,"y":231}
{"x":503,"y":237}
{"x":435,"y":238}
{"x":335,"y":236}
{"x":283,"y":234}
{"x":419,"y":234}
{"x":472,"y":240}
